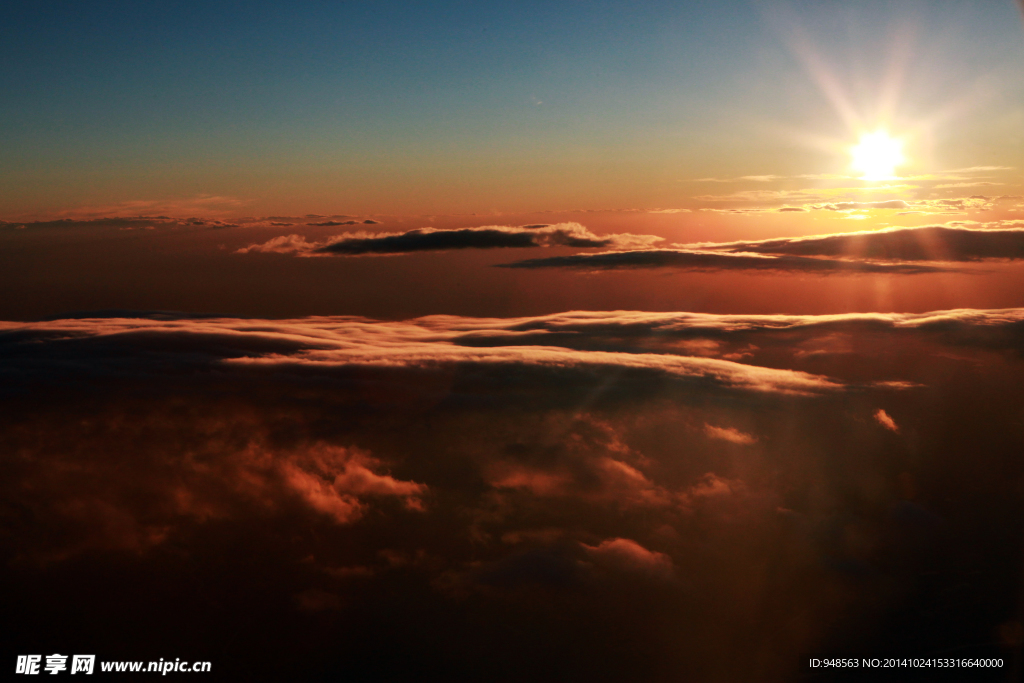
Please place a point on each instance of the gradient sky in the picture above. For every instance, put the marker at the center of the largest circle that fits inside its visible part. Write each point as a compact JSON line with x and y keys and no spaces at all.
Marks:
{"x":444,"y":107}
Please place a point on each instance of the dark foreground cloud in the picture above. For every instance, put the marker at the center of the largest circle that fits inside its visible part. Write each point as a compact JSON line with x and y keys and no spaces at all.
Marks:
{"x":744,"y":337}
{"x":581,"y":496}
{"x":928,"y":243}
{"x":158,"y":343}
{"x":708,"y":260}
{"x":348,"y":222}
{"x":431,"y":239}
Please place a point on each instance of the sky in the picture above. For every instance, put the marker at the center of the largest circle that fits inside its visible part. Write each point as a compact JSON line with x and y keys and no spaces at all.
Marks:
{"x":475,"y":107}
{"x":535,"y":341}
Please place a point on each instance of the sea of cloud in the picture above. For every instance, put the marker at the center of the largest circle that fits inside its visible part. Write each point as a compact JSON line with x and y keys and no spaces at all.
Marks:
{"x":611,"y":495}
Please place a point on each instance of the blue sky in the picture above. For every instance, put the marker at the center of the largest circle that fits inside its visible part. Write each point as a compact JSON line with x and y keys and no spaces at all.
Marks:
{"x":474,"y":102}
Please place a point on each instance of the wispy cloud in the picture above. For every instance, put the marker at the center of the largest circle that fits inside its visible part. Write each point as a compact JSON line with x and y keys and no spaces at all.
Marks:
{"x":110,"y":223}
{"x":954,"y":174}
{"x":730,"y":434}
{"x":849,"y":206}
{"x":202,"y":204}
{"x":973,"y":184}
{"x":348,"y":222}
{"x":748,"y":178}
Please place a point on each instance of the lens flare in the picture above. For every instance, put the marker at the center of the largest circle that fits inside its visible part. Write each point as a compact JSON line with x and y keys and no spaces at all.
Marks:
{"x":877,"y":155}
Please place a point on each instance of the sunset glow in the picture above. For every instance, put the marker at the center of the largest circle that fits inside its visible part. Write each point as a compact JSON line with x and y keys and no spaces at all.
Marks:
{"x":361,"y":342}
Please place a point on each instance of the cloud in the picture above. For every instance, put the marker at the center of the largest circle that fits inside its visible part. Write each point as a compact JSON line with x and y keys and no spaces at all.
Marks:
{"x":431,"y":239}
{"x":123,"y":223}
{"x":752,"y":178}
{"x":824,"y":176}
{"x":330,"y":480}
{"x":883,"y":419}
{"x":199,"y":218}
{"x":207,"y":483}
{"x":736,"y":211}
{"x":945,"y":175}
{"x":805,"y":196}
{"x":626,"y":555}
{"x":981,"y":169}
{"x":839,"y":199}
{"x":510,"y":490}
{"x":348,"y":222}
{"x":730,"y":434}
{"x":391,"y":352}
{"x":958,"y":203}
{"x":597,"y":468}
{"x":708,"y":260}
{"x":205,"y":204}
{"x":283,"y":244}
{"x":223,"y":461}
{"x":849,"y":206}
{"x":704,"y":371}
{"x":926,"y":243}
{"x":754,"y":338}
{"x":769,"y":196}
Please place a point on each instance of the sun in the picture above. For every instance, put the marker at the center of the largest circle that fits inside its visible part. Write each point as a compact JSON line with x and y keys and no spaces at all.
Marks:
{"x":877,"y":155}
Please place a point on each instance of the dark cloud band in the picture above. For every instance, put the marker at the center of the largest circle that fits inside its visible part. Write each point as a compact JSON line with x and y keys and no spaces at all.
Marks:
{"x":430,"y":239}
{"x":706,"y":260}
{"x":928,"y":243}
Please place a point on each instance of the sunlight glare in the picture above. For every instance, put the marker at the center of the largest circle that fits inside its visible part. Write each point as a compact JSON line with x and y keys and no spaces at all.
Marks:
{"x":877,"y":155}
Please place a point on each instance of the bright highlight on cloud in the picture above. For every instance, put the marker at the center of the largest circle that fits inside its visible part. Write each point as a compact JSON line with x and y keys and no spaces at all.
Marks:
{"x":886,"y":421}
{"x":347,"y":345}
{"x":730,"y":434}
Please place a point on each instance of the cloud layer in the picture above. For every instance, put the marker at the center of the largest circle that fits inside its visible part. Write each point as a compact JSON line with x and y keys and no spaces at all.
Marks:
{"x":350,"y":345}
{"x":893,"y":250}
{"x":431,"y":239}
{"x":705,"y":259}
{"x":927,"y":243}
{"x":480,"y":490}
